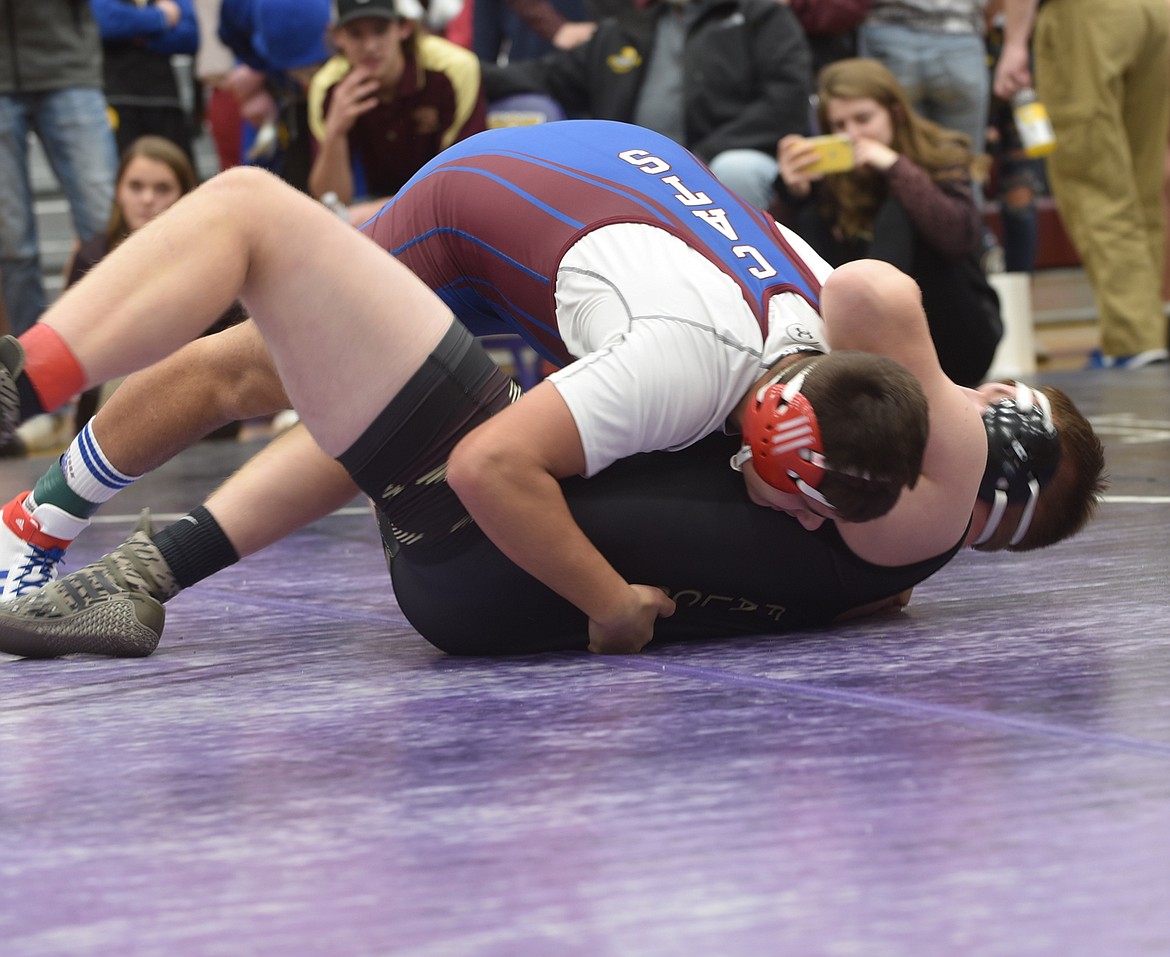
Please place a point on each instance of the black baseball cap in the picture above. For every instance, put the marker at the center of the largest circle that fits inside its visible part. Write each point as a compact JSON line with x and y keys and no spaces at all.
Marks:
{"x":346,"y":10}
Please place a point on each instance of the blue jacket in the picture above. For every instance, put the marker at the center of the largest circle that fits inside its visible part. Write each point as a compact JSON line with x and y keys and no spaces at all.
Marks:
{"x":237,"y":23}
{"x":125,"y":21}
{"x":305,"y":20}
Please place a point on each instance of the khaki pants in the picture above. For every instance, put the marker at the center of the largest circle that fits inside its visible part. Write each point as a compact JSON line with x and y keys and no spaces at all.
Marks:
{"x":1103,"y":71}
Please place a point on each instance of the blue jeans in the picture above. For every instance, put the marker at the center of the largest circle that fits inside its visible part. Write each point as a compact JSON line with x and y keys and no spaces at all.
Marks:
{"x":750,"y":174}
{"x":944,"y":74}
{"x":74,"y":130}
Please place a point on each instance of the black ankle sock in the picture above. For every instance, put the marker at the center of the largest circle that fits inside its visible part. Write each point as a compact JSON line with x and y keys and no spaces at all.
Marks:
{"x":30,"y":402}
{"x":195,"y":547}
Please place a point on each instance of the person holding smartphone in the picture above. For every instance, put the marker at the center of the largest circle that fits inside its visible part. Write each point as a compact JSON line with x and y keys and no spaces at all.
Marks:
{"x":905,"y":198}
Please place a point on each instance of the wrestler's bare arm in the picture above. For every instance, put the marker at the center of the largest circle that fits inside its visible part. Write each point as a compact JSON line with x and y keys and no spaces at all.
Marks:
{"x":873,"y":307}
{"x":505,"y":473}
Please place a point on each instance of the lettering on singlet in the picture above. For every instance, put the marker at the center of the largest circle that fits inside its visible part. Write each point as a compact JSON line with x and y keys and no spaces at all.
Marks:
{"x":696,"y":598}
{"x":701,"y":206}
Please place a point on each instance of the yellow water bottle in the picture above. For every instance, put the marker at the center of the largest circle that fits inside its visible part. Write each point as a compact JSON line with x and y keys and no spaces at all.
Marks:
{"x":1033,"y":124}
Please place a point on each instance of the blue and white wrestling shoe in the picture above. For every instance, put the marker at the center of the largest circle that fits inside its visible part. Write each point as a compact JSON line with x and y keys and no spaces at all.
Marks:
{"x":32,"y":544}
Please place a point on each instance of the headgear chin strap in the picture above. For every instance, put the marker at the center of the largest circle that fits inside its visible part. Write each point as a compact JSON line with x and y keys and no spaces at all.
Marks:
{"x":782,"y":438}
{"x":1023,"y":452}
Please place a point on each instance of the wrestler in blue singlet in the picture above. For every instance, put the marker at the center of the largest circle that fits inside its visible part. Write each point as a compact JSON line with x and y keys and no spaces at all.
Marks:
{"x":486,"y":223}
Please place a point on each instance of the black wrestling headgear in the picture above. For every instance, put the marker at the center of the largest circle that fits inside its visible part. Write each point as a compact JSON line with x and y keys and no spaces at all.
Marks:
{"x":1023,"y":452}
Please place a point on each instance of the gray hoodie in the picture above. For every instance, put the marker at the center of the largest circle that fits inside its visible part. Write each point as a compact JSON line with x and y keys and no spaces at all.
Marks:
{"x":48,"y":45}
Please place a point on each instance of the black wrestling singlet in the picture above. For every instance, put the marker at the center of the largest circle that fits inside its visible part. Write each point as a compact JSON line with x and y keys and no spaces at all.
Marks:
{"x":678,"y":520}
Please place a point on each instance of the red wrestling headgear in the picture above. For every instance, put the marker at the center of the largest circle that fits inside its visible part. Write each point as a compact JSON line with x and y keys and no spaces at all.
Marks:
{"x":782,"y":438}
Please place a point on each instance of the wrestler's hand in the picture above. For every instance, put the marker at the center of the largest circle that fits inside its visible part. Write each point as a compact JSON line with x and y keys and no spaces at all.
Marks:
{"x":893,"y":603}
{"x":632,"y":629}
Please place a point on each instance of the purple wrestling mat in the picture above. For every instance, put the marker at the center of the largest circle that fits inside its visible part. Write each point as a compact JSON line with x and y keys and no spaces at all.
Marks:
{"x":296,"y":772}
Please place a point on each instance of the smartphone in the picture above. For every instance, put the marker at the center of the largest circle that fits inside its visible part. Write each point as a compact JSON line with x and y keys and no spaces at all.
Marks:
{"x":835,"y":153}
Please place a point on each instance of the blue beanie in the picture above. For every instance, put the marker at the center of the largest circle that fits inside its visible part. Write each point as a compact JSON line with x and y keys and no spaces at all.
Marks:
{"x":291,"y":33}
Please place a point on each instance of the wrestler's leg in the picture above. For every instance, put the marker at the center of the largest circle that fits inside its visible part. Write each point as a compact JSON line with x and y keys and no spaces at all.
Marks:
{"x":114,"y":606}
{"x":290,"y":483}
{"x":150,"y":418}
{"x":287,"y":485}
{"x":162,"y":410}
{"x":335,"y":311}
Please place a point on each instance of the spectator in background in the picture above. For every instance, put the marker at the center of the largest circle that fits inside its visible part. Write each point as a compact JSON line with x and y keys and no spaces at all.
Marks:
{"x":937,"y":52}
{"x":138,"y":41}
{"x":219,"y":111}
{"x":152,"y":174}
{"x":50,"y":85}
{"x":1166,"y":219}
{"x":280,"y":45}
{"x":510,"y":31}
{"x":1101,"y":70}
{"x":907,"y":201}
{"x":725,"y":78}
{"x":1018,"y":179}
{"x":831,"y":26}
{"x":392,"y":99}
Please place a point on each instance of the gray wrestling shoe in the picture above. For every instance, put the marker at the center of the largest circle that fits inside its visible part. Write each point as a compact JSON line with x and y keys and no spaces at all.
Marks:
{"x":11,"y":364}
{"x":111,"y":607}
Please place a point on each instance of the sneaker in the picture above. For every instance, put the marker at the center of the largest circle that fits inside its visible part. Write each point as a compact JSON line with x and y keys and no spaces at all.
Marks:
{"x":1098,"y":360}
{"x":32,"y":544}
{"x":112,"y":607}
{"x":121,"y":626}
{"x":11,"y":364}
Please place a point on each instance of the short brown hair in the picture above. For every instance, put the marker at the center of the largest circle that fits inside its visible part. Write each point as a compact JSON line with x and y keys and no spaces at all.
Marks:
{"x":872,"y":415}
{"x":1067,"y":502}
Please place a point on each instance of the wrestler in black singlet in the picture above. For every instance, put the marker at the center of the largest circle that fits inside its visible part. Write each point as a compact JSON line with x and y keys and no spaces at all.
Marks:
{"x":679,"y":520}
